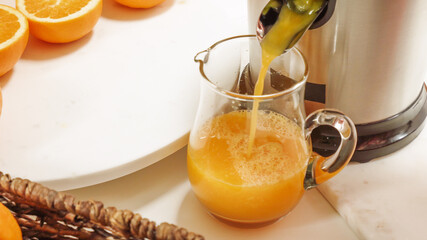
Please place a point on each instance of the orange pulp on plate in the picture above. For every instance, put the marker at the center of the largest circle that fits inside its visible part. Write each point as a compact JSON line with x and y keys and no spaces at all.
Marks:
{"x":60,"y":21}
{"x":13,"y":37}
{"x":9,"y":228}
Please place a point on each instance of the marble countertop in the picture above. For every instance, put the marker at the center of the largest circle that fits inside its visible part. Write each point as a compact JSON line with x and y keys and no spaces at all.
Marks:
{"x":385,"y":198}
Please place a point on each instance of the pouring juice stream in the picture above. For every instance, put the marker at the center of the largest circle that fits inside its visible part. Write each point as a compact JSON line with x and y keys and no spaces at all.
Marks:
{"x":294,"y":19}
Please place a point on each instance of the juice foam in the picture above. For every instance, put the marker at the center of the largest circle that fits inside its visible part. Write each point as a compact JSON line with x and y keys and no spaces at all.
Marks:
{"x":252,"y":188}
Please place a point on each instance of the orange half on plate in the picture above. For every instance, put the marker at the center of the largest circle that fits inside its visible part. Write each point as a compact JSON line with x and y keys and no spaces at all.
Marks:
{"x":13,"y":37}
{"x":60,"y":21}
{"x":140,"y":3}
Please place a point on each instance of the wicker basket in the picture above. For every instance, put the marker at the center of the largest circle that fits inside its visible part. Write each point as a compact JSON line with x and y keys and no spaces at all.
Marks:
{"x":43,"y":213}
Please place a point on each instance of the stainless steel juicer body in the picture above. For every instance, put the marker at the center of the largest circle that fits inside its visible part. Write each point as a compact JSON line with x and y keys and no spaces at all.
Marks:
{"x":372,"y":56}
{"x":369,"y":60}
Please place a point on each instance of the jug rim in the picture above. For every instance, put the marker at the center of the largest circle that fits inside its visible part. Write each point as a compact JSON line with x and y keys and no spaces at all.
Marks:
{"x":300,"y":83}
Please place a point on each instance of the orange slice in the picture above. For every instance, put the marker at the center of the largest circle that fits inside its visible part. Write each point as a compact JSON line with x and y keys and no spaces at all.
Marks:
{"x":60,"y":21}
{"x":140,"y":3}
{"x":9,"y":228}
{"x":13,"y":37}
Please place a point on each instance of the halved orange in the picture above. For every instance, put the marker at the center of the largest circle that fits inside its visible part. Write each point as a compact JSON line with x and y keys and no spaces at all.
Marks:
{"x":13,"y":37}
{"x":60,"y":21}
{"x":140,"y":3}
{"x":9,"y":228}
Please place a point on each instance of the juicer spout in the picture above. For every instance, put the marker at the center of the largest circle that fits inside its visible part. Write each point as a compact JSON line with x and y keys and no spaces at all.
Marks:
{"x":325,"y":15}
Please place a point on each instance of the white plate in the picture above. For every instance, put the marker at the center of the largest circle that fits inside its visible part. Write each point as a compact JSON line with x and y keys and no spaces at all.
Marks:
{"x":117,"y":100}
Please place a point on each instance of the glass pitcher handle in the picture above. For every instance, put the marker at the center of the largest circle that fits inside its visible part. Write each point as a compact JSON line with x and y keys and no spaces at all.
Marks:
{"x":321,"y":168}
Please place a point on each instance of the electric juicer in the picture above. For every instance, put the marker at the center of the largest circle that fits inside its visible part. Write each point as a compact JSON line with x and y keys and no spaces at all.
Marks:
{"x":368,"y":59}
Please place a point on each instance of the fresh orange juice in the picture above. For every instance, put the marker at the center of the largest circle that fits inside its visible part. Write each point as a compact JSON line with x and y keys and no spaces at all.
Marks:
{"x":283,"y":35}
{"x":250,"y":188}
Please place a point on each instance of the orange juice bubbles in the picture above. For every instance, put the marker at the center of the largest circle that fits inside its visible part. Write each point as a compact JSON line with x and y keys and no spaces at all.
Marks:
{"x":255,"y":188}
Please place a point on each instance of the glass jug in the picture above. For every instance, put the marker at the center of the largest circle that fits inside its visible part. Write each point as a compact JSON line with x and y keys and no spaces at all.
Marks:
{"x":258,"y":186}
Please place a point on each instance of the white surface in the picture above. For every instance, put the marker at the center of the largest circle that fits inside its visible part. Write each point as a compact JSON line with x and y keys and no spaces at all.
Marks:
{"x":385,"y":198}
{"x":113,"y":102}
{"x":162,"y":193}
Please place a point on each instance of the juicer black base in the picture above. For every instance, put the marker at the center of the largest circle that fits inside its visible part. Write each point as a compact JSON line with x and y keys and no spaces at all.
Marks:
{"x":378,"y":138}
